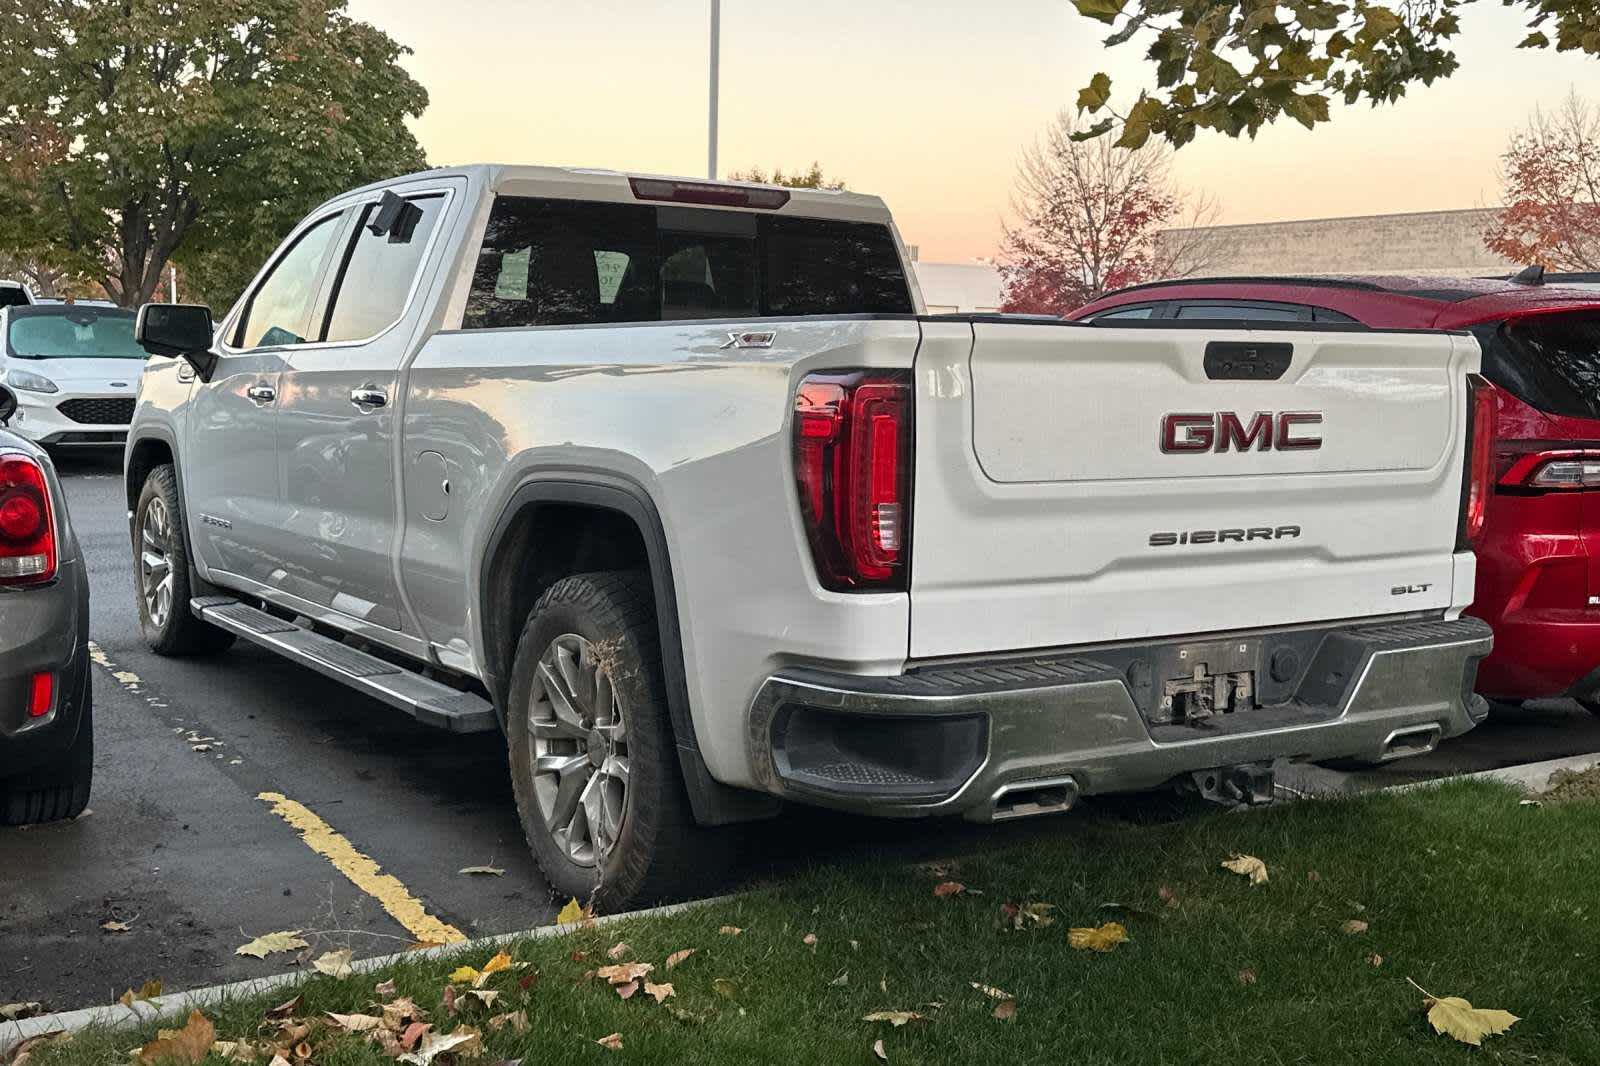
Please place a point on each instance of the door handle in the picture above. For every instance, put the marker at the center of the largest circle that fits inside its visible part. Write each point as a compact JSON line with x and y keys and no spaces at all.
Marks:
{"x":368,"y":398}
{"x":262,"y":394}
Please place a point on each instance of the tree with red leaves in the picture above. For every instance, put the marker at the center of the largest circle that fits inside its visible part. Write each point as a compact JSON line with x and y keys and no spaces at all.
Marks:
{"x":1092,"y":217}
{"x":1550,"y":183}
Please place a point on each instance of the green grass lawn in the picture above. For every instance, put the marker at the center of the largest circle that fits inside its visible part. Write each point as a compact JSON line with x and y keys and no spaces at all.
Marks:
{"x":1464,"y":891}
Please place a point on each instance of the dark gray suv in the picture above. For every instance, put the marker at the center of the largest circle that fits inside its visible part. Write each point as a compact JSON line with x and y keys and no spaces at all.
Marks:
{"x":46,"y":722}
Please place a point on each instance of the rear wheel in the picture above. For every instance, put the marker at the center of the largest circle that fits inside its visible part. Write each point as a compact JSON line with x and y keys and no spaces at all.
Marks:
{"x":593,"y":762}
{"x":58,"y":790}
{"x":161,"y":573}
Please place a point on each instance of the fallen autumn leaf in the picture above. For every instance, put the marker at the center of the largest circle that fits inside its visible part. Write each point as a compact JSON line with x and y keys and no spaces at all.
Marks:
{"x":896,"y":1018}
{"x":1353,"y":927}
{"x":334,"y":963}
{"x":149,"y":990}
{"x":612,"y":1042}
{"x":1248,"y":866}
{"x":1456,"y":1018}
{"x":679,"y":956}
{"x":623,"y":973}
{"x":356,"y":1023}
{"x":1099,"y":938}
{"x":271,"y":943}
{"x":946,"y":889}
{"x":191,"y":1044}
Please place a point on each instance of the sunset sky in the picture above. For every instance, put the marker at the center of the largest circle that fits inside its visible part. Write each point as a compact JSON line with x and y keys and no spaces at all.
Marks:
{"x":924,"y":103}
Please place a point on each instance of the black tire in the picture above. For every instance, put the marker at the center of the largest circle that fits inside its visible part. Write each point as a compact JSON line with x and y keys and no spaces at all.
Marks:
{"x":59,"y":790}
{"x":659,"y":852}
{"x":179,"y":632}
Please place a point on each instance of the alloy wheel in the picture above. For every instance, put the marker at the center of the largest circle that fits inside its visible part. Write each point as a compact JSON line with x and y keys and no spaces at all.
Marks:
{"x":580,"y":750}
{"x":155,"y":561}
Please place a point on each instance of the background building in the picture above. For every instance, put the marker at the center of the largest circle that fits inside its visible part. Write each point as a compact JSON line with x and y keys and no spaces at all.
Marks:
{"x":949,"y":287}
{"x":1435,"y":243}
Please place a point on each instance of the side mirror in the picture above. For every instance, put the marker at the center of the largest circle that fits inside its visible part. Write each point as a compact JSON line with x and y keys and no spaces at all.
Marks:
{"x":8,"y":405}
{"x":178,"y":331}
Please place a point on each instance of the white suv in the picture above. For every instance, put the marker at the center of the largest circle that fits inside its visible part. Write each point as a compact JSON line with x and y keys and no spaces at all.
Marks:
{"x":75,"y":371}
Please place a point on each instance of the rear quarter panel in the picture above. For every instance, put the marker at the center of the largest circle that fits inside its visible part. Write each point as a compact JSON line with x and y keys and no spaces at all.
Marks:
{"x":699,"y":426}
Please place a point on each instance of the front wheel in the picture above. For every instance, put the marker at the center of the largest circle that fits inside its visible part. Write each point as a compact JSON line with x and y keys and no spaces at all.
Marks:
{"x":593,"y":762}
{"x":161,"y":573}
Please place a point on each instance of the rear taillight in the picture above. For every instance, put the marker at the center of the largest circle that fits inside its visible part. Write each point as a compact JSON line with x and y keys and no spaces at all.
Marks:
{"x":1480,"y":460}
{"x":852,"y":461}
{"x":1570,"y":468}
{"x":27,"y":529}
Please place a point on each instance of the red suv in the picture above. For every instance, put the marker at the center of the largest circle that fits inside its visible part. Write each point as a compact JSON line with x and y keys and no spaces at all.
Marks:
{"x":1539,"y":552}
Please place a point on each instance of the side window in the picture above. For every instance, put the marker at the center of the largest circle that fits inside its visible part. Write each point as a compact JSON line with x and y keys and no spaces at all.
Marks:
{"x":279,"y":311}
{"x":378,"y":273}
{"x":1322,"y":314}
{"x":1235,"y":312}
{"x":564,"y":262}
{"x":1126,"y":313}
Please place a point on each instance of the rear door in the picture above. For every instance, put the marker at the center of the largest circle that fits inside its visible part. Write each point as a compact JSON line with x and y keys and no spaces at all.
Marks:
{"x":1082,"y":484}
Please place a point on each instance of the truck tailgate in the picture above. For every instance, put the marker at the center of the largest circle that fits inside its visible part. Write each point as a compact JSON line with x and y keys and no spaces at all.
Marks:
{"x":1079,"y":483}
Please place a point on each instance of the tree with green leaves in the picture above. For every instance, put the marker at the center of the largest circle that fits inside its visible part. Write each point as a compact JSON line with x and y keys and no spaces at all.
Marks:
{"x":1237,"y":65}
{"x":800,"y":179}
{"x":138,"y":132}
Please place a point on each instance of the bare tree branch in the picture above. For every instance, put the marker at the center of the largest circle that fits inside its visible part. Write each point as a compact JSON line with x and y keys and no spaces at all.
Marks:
{"x":1088,"y":217}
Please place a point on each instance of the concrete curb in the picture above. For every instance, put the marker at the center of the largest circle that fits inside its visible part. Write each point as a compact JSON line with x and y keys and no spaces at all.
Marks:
{"x":115,"y":1016}
{"x":1532,"y":777}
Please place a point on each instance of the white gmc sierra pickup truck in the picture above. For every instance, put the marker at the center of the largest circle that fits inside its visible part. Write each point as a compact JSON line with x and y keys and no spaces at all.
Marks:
{"x":671,"y":482}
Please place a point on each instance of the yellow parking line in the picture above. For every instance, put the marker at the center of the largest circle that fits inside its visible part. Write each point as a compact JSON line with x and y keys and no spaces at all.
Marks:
{"x":363,"y":872}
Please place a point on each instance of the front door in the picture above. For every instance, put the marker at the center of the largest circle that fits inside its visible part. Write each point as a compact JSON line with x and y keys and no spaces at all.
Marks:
{"x":337,"y":419}
{"x":231,"y":464}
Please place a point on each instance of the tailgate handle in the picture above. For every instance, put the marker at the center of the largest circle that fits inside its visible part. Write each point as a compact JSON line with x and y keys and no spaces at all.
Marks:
{"x":1247,"y":360}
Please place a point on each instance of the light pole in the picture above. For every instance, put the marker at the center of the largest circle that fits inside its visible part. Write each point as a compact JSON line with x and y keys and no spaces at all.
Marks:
{"x":716,"y":49}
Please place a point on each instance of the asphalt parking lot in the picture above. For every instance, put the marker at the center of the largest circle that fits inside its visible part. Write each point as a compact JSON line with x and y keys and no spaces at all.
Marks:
{"x":181,"y":849}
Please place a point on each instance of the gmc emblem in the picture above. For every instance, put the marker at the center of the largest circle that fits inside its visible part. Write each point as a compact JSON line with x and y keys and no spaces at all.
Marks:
{"x":1224,"y":430}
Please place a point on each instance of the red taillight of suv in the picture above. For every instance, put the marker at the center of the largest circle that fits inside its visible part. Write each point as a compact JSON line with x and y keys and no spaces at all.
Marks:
{"x":1480,"y":460}
{"x":27,"y":530}
{"x":1560,"y":468}
{"x":852,"y":461}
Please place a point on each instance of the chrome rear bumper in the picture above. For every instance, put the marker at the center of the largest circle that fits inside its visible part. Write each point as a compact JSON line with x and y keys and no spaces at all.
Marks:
{"x":1019,"y":736}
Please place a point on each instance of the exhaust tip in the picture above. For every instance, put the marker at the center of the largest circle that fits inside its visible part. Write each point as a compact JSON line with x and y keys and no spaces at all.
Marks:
{"x":1404,"y":743}
{"x":1025,"y":799}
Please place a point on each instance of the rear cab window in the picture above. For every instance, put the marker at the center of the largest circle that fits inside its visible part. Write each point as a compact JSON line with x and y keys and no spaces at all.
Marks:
{"x":550,"y":262}
{"x":66,"y":331}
